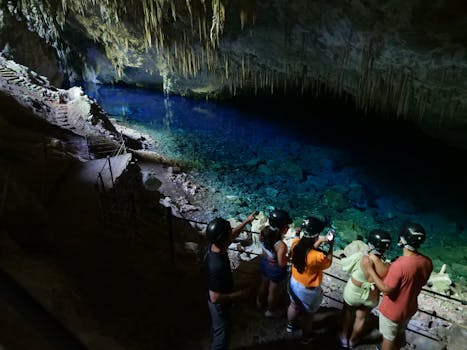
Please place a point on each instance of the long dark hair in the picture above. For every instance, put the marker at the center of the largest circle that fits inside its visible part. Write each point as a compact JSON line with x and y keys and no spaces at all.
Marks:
{"x":300,"y":252}
{"x":269,"y":237}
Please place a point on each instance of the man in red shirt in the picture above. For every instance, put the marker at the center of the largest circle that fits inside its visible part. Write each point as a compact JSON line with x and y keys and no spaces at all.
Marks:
{"x":401,"y":286}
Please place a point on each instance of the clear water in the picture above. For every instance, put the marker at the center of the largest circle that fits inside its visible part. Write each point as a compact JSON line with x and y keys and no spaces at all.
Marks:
{"x":309,"y":159}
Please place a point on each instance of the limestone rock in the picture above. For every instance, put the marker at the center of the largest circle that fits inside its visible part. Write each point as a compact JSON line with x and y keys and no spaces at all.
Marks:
{"x":354,"y":247}
{"x":440,"y":282}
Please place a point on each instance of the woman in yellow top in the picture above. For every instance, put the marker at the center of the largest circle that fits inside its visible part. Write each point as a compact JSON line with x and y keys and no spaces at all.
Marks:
{"x":360,"y":294}
{"x":308,"y":264}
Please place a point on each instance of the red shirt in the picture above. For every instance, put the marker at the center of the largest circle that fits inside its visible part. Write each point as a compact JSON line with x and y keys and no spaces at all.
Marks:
{"x":408,"y":274}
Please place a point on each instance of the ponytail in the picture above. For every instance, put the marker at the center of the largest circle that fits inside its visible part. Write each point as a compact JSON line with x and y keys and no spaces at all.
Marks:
{"x":300,"y":252}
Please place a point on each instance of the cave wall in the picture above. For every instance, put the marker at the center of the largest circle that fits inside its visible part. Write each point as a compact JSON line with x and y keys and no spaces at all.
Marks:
{"x":403,"y":57}
{"x":29,"y":49}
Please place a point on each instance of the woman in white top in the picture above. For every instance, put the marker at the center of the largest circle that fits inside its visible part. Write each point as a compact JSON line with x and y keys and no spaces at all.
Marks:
{"x":273,"y":262}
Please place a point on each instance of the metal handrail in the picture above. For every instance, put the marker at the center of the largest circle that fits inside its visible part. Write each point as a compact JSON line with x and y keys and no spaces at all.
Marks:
{"x":463,"y":302}
{"x":121,"y":150}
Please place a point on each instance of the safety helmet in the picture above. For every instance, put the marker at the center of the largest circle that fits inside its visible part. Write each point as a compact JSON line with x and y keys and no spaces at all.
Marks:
{"x":378,"y":241}
{"x":279,"y":218}
{"x":217,"y":229}
{"x":312,"y":227}
{"x":412,"y":236}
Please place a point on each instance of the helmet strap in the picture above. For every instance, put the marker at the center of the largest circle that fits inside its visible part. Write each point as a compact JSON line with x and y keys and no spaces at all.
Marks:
{"x":406,"y":245}
{"x":306,"y":234}
{"x":373,"y":250}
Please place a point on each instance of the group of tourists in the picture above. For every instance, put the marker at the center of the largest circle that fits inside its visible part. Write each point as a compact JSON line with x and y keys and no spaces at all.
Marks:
{"x":370,"y":275}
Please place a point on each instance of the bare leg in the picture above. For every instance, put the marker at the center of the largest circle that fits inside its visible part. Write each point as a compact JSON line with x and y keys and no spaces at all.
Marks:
{"x":293,"y":312}
{"x":307,"y":325}
{"x":399,"y":341}
{"x":388,"y":345}
{"x":262,"y":293}
{"x":395,"y":344}
{"x":273,"y":296}
{"x":359,"y":324}
{"x":348,"y":317}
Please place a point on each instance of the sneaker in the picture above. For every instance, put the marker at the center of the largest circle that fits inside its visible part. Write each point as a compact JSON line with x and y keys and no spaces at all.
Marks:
{"x":290,"y":328}
{"x":271,"y":314}
{"x":344,"y":343}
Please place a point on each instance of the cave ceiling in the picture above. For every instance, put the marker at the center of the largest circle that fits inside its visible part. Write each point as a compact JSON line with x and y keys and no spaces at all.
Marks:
{"x":406,"y":57}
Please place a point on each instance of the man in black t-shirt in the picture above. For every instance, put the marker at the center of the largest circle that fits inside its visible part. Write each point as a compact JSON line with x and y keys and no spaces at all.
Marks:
{"x":220,"y":280}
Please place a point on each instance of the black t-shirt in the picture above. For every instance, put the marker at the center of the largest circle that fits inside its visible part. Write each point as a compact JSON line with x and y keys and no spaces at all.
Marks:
{"x":218,"y":272}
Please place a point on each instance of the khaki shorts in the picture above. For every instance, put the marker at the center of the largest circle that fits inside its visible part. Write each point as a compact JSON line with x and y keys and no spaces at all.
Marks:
{"x":392,"y":330}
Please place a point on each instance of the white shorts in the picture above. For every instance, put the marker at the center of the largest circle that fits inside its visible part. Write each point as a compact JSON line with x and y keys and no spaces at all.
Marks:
{"x":390,"y":329}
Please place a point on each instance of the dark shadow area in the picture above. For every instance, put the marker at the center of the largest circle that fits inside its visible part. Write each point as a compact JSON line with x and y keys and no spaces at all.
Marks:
{"x":326,"y":326}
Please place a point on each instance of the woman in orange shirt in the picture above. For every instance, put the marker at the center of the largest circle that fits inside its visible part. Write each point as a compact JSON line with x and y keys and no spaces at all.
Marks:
{"x":308,"y":264}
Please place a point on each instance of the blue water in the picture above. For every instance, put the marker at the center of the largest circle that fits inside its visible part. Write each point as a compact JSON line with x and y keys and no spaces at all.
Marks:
{"x":358,"y":172}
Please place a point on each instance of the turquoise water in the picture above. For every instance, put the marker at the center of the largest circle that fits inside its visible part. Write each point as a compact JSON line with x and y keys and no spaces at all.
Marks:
{"x":308,"y":158}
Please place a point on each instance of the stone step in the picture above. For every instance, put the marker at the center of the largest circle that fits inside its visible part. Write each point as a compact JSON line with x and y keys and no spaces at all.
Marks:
{"x":15,"y":80}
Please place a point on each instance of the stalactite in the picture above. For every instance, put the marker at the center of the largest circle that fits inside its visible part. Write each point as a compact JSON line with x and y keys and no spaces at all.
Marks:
{"x":173,"y":10}
{"x":226,"y":68}
{"x":218,"y":18}
{"x":243,"y":68}
{"x":192,"y":52}
{"x":256,"y":84}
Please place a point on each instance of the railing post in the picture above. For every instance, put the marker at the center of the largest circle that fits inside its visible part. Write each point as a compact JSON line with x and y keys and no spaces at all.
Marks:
{"x":133,"y":214}
{"x":111,"y":173}
{"x":102,"y":182}
{"x":171,"y":235}
{"x":123,"y":142}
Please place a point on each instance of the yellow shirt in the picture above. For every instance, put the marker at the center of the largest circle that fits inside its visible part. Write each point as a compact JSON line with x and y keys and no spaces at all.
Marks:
{"x":316,"y":262}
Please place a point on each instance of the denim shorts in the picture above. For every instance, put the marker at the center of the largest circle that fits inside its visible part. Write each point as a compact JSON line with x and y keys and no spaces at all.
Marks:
{"x":310,"y":298}
{"x":271,"y":270}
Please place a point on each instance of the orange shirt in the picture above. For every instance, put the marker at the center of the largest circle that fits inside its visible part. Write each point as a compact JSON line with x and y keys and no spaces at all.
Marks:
{"x":316,"y":262}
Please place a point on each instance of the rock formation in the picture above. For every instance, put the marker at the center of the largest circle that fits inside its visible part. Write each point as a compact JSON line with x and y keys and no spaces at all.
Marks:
{"x":401,"y":57}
